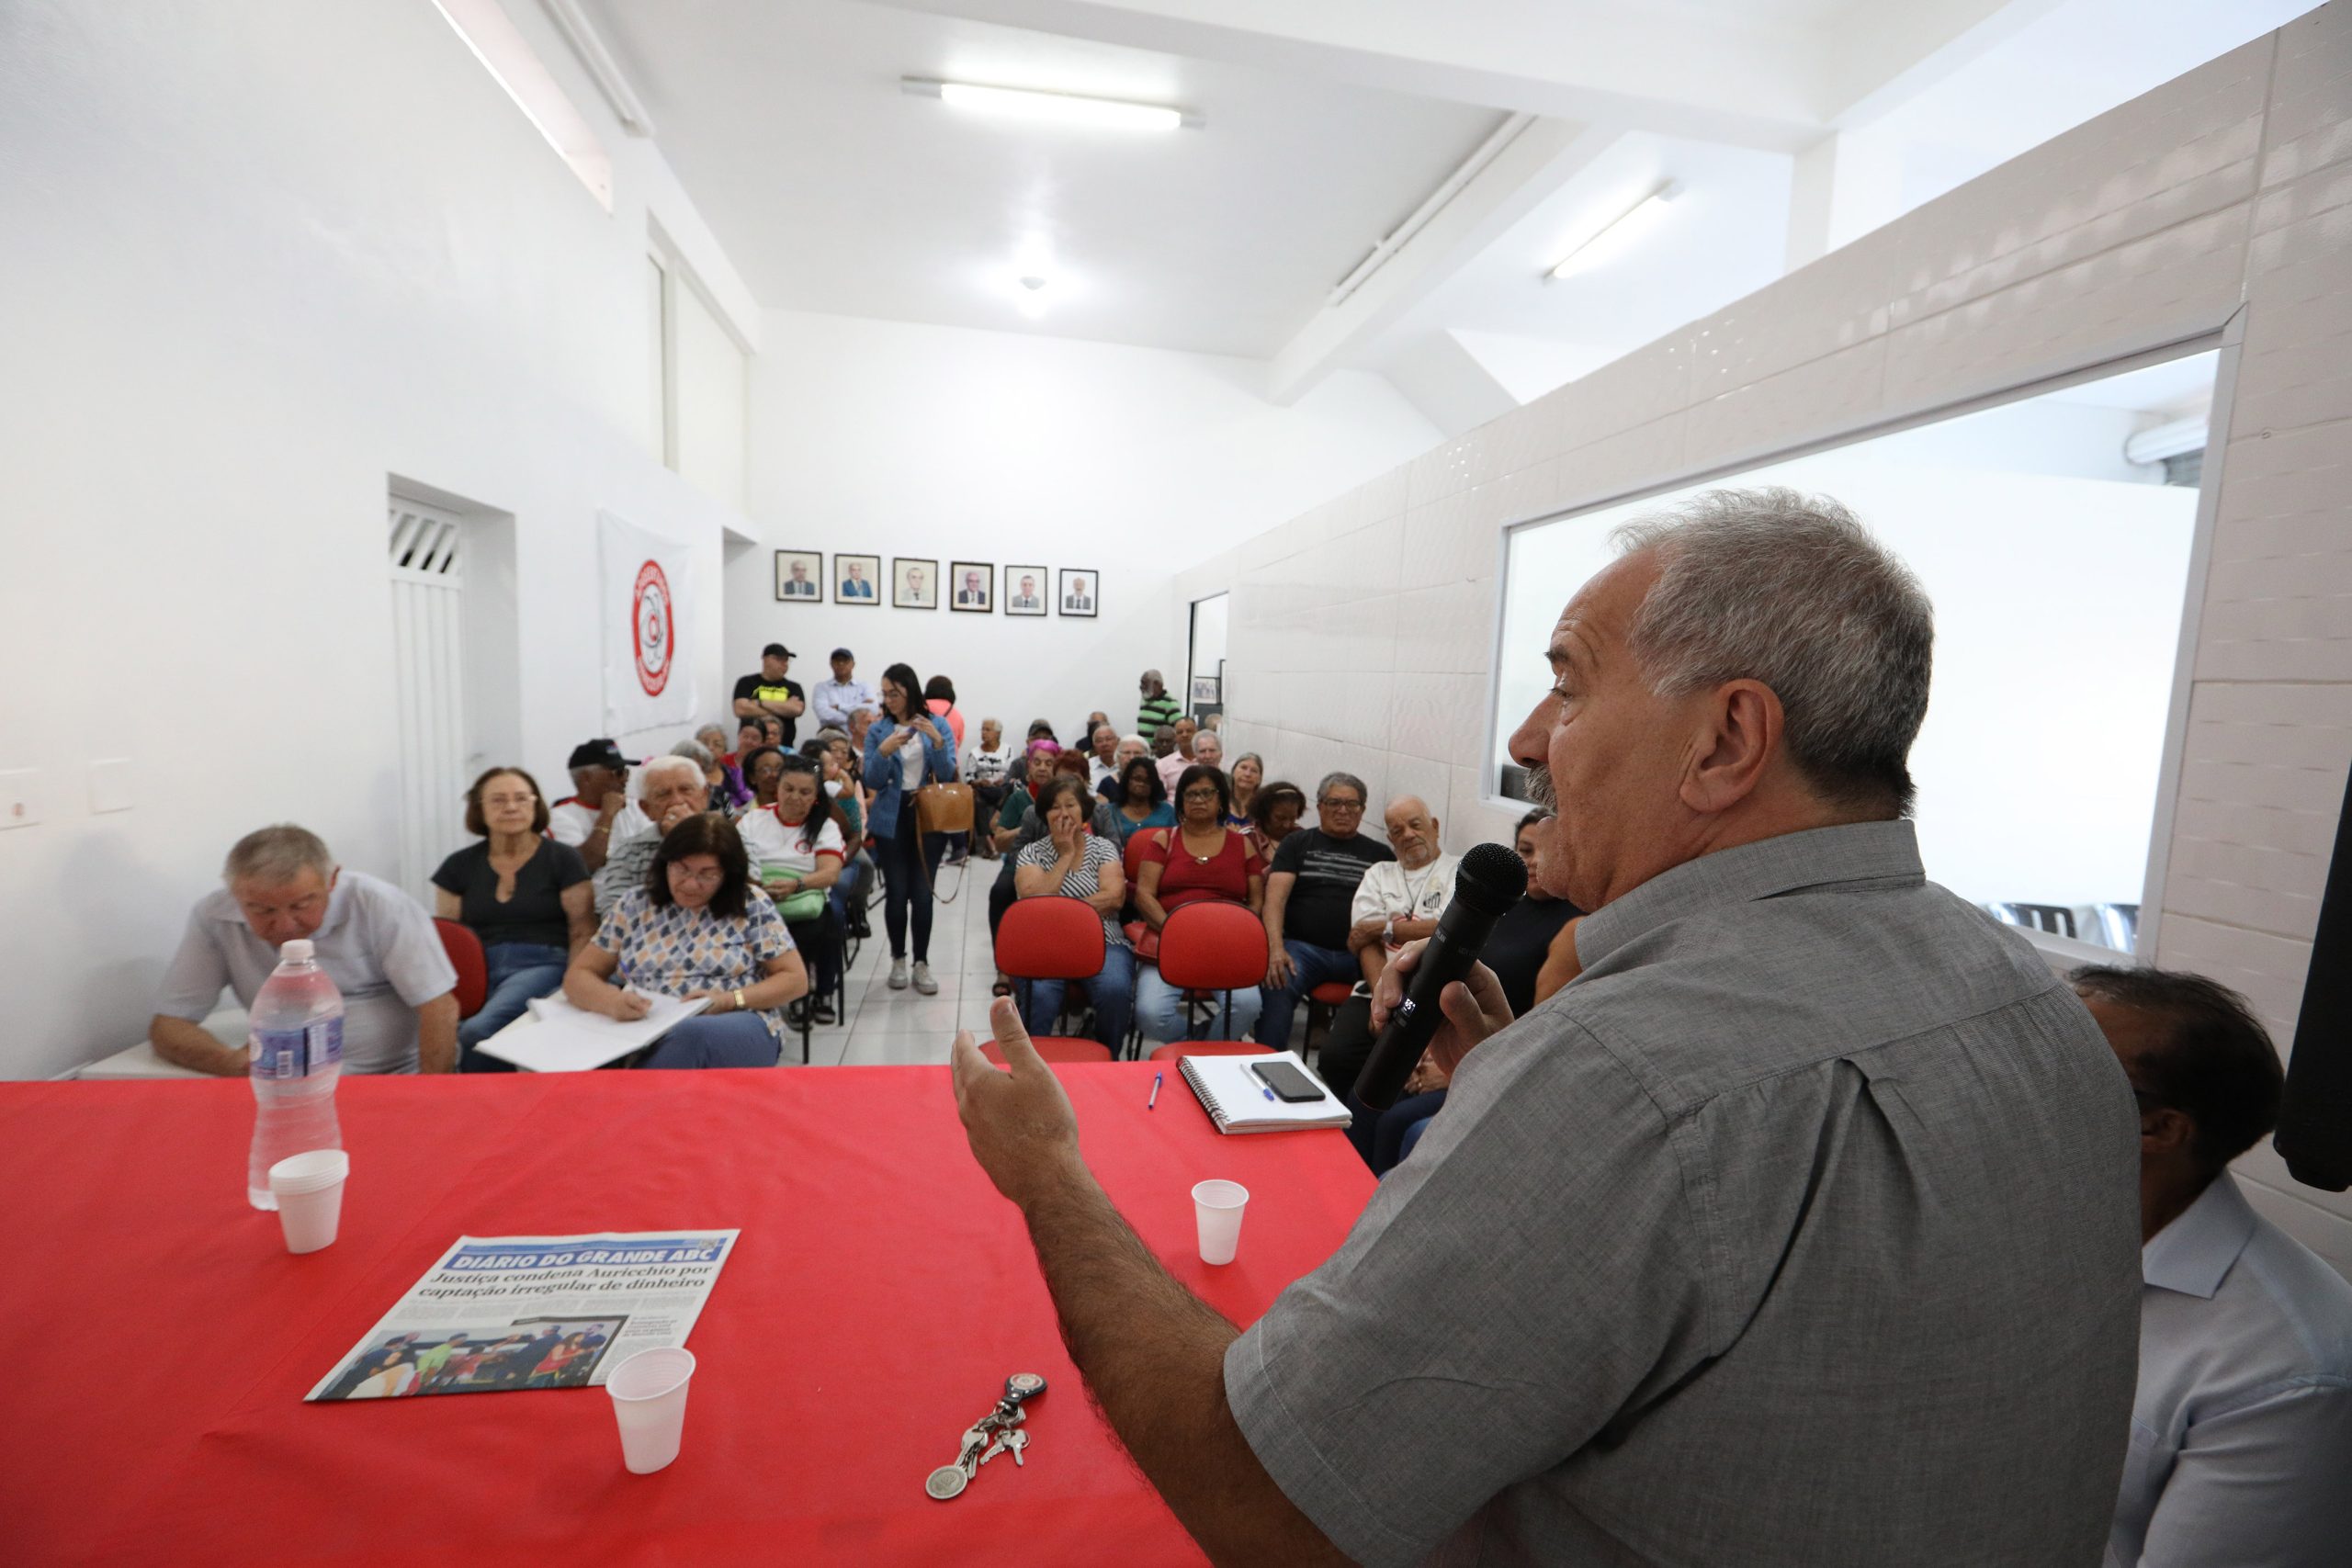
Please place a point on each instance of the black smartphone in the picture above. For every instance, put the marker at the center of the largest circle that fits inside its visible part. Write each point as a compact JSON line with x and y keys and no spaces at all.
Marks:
{"x":1289,"y":1084}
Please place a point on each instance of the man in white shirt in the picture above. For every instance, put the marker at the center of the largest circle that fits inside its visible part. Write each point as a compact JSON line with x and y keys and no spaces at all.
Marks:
{"x":377,"y":943}
{"x":599,"y":811}
{"x":1102,"y":745}
{"x":1398,"y":901}
{"x":2242,"y":1423}
{"x":833,"y":700}
{"x":675,"y":788}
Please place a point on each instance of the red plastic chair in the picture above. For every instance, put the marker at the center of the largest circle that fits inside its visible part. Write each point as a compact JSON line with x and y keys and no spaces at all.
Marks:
{"x":1330,"y":997}
{"x":1211,"y":946}
{"x":465,"y":957}
{"x":1051,"y":939}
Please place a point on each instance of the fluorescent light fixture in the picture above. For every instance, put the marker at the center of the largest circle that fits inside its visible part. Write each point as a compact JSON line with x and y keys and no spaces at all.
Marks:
{"x":1061,"y":108}
{"x":1612,"y":237}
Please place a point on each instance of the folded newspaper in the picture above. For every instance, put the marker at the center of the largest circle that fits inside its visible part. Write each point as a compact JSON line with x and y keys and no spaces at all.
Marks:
{"x":499,"y":1314}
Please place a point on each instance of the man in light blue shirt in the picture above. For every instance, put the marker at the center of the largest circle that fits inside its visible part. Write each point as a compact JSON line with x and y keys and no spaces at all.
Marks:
{"x":833,"y":700}
{"x":2242,"y":1426}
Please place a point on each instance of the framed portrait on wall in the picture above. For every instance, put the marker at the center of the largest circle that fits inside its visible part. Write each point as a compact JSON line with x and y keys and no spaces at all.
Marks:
{"x":855,"y":580}
{"x":801,"y":576}
{"x":1082,"y":591}
{"x":1024,"y":590}
{"x":914,"y":584}
{"x":971,"y":586}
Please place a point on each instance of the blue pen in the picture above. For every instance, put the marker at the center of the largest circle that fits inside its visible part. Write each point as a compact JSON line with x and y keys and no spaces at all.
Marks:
{"x":1153,"y":1102}
{"x":1270,"y":1094}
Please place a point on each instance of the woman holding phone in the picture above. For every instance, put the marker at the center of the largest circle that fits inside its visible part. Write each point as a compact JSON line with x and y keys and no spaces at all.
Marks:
{"x":908,"y":748}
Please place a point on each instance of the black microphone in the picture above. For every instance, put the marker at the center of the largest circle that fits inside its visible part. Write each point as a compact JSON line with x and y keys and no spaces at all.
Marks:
{"x":1491,"y":880}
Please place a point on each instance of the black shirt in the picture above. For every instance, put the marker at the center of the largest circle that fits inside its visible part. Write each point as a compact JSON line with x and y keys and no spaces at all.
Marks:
{"x":536,"y":913}
{"x":1520,"y":940}
{"x":758,"y":688}
{"x":1327,"y":870}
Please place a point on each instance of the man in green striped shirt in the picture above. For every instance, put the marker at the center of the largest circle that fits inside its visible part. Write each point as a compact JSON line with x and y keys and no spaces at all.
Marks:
{"x":1159,"y":708}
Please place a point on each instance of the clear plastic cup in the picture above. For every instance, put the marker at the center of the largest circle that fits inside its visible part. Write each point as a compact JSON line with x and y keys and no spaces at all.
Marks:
{"x":309,"y":1189}
{"x":1217,"y":1208}
{"x":648,"y":1393}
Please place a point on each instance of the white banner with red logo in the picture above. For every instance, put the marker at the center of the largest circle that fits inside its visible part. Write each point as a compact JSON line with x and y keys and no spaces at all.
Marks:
{"x":648,"y":601}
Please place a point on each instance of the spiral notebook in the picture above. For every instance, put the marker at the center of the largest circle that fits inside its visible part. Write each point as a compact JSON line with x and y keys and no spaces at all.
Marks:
{"x":1238,"y":1102}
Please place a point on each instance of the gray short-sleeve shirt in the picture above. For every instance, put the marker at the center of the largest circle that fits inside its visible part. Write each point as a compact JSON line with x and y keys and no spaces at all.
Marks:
{"x":376,"y":944}
{"x":1802,"y":1228}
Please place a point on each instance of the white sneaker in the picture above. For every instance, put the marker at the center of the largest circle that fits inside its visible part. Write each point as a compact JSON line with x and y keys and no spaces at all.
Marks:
{"x":897,"y":974}
{"x":923,"y":982}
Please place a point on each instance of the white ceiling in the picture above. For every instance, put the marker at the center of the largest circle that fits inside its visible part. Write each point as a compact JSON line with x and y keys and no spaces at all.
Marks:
{"x":1326,"y":123}
{"x":834,"y":191}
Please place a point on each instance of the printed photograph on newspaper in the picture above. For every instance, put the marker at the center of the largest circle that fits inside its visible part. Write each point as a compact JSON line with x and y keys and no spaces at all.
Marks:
{"x":499,"y":1314}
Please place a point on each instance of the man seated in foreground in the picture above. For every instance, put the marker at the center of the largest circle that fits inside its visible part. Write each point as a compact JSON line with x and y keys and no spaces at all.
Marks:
{"x":2242,"y":1430}
{"x":398,"y":990}
{"x":1399,"y":900}
{"x":1800,"y":1229}
{"x":1310,"y":895}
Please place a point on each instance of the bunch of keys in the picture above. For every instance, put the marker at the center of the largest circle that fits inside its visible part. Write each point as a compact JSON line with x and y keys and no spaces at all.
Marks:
{"x":998,"y":1432}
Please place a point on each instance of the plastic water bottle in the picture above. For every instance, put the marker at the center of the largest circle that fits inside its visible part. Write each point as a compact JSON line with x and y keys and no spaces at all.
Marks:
{"x":296,"y":1043}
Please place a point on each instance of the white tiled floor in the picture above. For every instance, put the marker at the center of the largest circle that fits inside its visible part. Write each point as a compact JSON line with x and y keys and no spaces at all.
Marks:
{"x":884,"y":1026}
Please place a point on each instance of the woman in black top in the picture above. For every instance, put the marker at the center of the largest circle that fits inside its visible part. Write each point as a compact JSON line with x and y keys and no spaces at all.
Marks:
{"x":525,"y":896}
{"x":1532,"y":938}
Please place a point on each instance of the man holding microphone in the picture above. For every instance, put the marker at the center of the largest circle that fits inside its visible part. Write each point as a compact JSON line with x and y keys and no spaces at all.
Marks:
{"x":1801,"y":1229}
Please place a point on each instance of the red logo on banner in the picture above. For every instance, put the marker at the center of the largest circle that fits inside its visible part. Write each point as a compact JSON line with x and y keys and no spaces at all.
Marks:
{"x":653,"y":629}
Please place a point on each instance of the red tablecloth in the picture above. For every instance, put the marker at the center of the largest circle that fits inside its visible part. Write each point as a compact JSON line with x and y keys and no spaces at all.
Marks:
{"x":156,"y":1339}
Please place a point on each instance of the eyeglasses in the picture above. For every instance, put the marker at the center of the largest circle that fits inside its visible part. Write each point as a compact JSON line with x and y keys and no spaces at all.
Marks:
{"x":1339,"y":803}
{"x":710,"y":878}
{"x":510,"y":799}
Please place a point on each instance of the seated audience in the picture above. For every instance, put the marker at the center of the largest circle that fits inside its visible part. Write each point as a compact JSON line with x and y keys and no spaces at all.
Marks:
{"x":763,"y":766}
{"x":1532,"y":953}
{"x":1157,"y":708}
{"x":1249,"y":771}
{"x":1208,"y":749}
{"x":727,"y":787}
{"x":1095,"y":721}
{"x":1042,"y":730}
{"x":833,"y":700}
{"x":1102,"y":755}
{"x":380,"y":950}
{"x":777,"y":730}
{"x":1037,"y":767}
{"x":2242,"y":1423}
{"x":907,"y":748}
{"x":860,"y":724}
{"x":714,"y":774}
{"x":1163,"y":742}
{"x":1129,"y":747}
{"x":1399,"y":900}
{"x":696,"y":928}
{"x":599,"y":809}
{"x":1275,"y":812}
{"x":1142,"y":801}
{"x":1198,"y":860}
{"x":1031,"y":827}
{"x":1072,"y":862}
{"x":1310,"y":892}
{"x":676,"y":789}
{"x":751,"y":733}
{"x":797,"y":847}
{"x":525,"y":896}
{"x":988,"y":771}
{"x":838,"y":766}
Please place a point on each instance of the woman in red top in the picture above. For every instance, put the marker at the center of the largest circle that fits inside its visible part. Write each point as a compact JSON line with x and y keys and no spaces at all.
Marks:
{"x":1198,"y":860}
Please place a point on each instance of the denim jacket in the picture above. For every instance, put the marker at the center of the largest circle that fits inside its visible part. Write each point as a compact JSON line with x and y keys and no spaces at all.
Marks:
{"x":883,"y":773}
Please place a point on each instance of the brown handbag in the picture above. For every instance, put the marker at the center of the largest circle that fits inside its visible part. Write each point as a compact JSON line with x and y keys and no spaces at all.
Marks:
{"x":943,"y":809}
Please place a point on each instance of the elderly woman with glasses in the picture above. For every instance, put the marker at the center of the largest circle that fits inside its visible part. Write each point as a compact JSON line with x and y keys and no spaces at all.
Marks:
{"x":1070,"y":860}
{"x":1199,"y":859}
{"x":525,"y":896}
{"x":696,"y":929}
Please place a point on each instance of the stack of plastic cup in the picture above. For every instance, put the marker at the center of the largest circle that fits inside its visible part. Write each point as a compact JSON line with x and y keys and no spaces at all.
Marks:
{"x":309,"y":1189}
{"x":1217,"y":1208}
{"x":648,"y":1393}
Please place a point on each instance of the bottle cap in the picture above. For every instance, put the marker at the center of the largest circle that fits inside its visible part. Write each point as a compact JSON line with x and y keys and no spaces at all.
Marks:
{"x":297,"y":951}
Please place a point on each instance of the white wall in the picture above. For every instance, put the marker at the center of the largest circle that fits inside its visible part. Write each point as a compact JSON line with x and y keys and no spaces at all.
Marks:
{"x":889,"y":438}
{"x":264,"y":257}
{"x":2216,"y":204}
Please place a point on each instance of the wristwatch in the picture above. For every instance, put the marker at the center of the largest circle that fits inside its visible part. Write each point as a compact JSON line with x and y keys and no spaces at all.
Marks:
{"x":739,"y":1002}
{"x":1389,"y":932}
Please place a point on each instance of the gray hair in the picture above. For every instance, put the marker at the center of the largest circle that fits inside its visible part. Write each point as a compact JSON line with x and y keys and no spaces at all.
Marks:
{"x":1790,"y":590}
{"x":694,"y":751}
{"x":1353,"y":782}
{"x":275,"y":855}
{"x":675,"y":760}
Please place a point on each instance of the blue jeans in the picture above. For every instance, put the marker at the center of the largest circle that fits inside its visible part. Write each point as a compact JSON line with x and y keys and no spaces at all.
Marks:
{"x":1160,"y":1007}
{"x":848,"y":895}
{"x":1310,"y":967}
{"x":1113,"y":991}
{"x":518,"y":970}
{"x":730,"y":1040}
{"x":1395,"y":1130}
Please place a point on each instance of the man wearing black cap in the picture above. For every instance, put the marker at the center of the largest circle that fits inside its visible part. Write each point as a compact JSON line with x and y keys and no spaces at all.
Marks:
{"x":836,"y":699}
{"x":768,"y":692}
{"x":599,"y":813}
